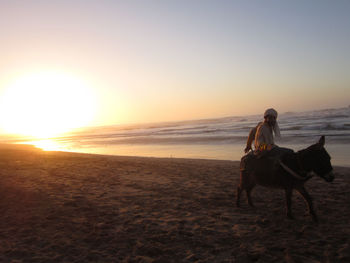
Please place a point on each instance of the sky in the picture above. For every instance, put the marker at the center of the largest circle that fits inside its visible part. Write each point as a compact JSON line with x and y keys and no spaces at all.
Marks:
{"x":154,"y":61}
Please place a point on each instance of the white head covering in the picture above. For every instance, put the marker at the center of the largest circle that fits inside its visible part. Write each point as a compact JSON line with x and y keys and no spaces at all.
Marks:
{"x":276,"y":128}
{"x":271,"y":112}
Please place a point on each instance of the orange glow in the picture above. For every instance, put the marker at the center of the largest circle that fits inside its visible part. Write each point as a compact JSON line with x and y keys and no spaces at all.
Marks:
{"x":47,"y":145}
{"x":46,"y":104}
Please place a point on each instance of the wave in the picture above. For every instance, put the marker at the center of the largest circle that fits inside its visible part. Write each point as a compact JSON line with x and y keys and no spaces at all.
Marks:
{"x":295,"y":127}
{"x":325,"y":127}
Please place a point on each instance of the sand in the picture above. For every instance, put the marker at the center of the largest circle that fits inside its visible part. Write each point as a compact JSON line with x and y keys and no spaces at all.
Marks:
{"x":69,"y":207}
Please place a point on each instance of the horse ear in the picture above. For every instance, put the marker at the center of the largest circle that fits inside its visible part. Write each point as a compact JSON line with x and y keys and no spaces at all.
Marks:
{"x":322,"y":141}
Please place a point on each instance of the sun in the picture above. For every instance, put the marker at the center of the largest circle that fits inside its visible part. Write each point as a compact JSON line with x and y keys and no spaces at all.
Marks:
{"x":46,"y":104}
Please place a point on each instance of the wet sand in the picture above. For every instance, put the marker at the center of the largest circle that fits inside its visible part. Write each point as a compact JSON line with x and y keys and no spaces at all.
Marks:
{"x":69,"y":207}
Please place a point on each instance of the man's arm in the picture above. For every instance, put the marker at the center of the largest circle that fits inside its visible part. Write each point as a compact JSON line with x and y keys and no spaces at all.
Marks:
{"x":250,"y":140}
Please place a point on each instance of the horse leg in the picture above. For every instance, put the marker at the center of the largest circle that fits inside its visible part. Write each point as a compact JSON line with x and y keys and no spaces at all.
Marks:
{"x":245,"y":184}
{"x":249,"y":190}
{"x":238,"y":196}
{"x":308,"y":200}
{"x":243,"y":178}
{"x":289,"y":193}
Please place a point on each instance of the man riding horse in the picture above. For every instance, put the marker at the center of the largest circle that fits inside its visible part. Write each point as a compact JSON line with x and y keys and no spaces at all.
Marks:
{"x":263,"y":137}
{"x":275,"y":167}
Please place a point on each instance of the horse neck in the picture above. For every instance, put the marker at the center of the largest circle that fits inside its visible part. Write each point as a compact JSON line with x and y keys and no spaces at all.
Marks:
{"x":305,"y":160}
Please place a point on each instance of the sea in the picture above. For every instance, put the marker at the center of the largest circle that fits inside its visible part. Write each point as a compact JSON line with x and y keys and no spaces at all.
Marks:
{"x":216,"y":138}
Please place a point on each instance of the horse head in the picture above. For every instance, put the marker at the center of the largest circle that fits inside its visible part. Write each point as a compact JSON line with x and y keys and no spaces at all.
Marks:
{"x":319,"y":161}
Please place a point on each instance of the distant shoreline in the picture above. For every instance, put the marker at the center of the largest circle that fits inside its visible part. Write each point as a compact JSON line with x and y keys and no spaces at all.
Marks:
{"x":28,"y":147}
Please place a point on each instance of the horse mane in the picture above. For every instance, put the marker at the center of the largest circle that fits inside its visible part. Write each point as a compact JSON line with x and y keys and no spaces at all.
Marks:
{"x":304,"y":157}
{"x":307,"y":155}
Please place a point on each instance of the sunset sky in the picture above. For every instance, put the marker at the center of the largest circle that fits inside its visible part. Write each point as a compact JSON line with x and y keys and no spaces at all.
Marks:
{"x":150,"y":61}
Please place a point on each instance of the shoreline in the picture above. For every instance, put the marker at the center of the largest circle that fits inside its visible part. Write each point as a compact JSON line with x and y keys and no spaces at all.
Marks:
{"x":343,"y":163}
{"x":77,"y":207}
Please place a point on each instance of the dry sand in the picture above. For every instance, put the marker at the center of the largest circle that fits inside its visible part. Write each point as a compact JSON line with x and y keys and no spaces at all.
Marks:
{"x":68,"y":207}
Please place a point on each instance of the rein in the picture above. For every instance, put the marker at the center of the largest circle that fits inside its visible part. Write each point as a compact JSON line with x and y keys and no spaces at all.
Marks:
{"x":294,"y":174}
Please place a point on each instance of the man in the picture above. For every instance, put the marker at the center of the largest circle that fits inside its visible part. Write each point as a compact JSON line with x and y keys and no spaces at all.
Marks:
{"x":263,"y":136}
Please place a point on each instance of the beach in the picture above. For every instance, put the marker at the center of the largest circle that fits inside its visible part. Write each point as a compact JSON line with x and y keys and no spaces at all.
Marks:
{"x":74,"y":207}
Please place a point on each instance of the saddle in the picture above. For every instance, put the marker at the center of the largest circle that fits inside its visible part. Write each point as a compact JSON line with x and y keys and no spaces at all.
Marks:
{"x":247,"y":161}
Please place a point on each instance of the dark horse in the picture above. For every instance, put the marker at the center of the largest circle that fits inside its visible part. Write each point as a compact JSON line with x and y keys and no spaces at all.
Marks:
{"x":291,"y":174}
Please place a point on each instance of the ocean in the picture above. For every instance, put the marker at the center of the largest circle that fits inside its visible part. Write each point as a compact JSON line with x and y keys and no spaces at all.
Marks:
{"x":221,"y":138}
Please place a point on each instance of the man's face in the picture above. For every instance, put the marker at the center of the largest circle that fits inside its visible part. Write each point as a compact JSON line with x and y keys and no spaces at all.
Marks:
{"x":271,"y":120}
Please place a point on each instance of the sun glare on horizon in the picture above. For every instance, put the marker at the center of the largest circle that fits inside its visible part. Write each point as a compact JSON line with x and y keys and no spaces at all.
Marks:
{"x":46,"y":104}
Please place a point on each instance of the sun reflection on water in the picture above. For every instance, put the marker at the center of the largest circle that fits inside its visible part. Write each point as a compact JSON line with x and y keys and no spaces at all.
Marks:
{"x":48,"y":145}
